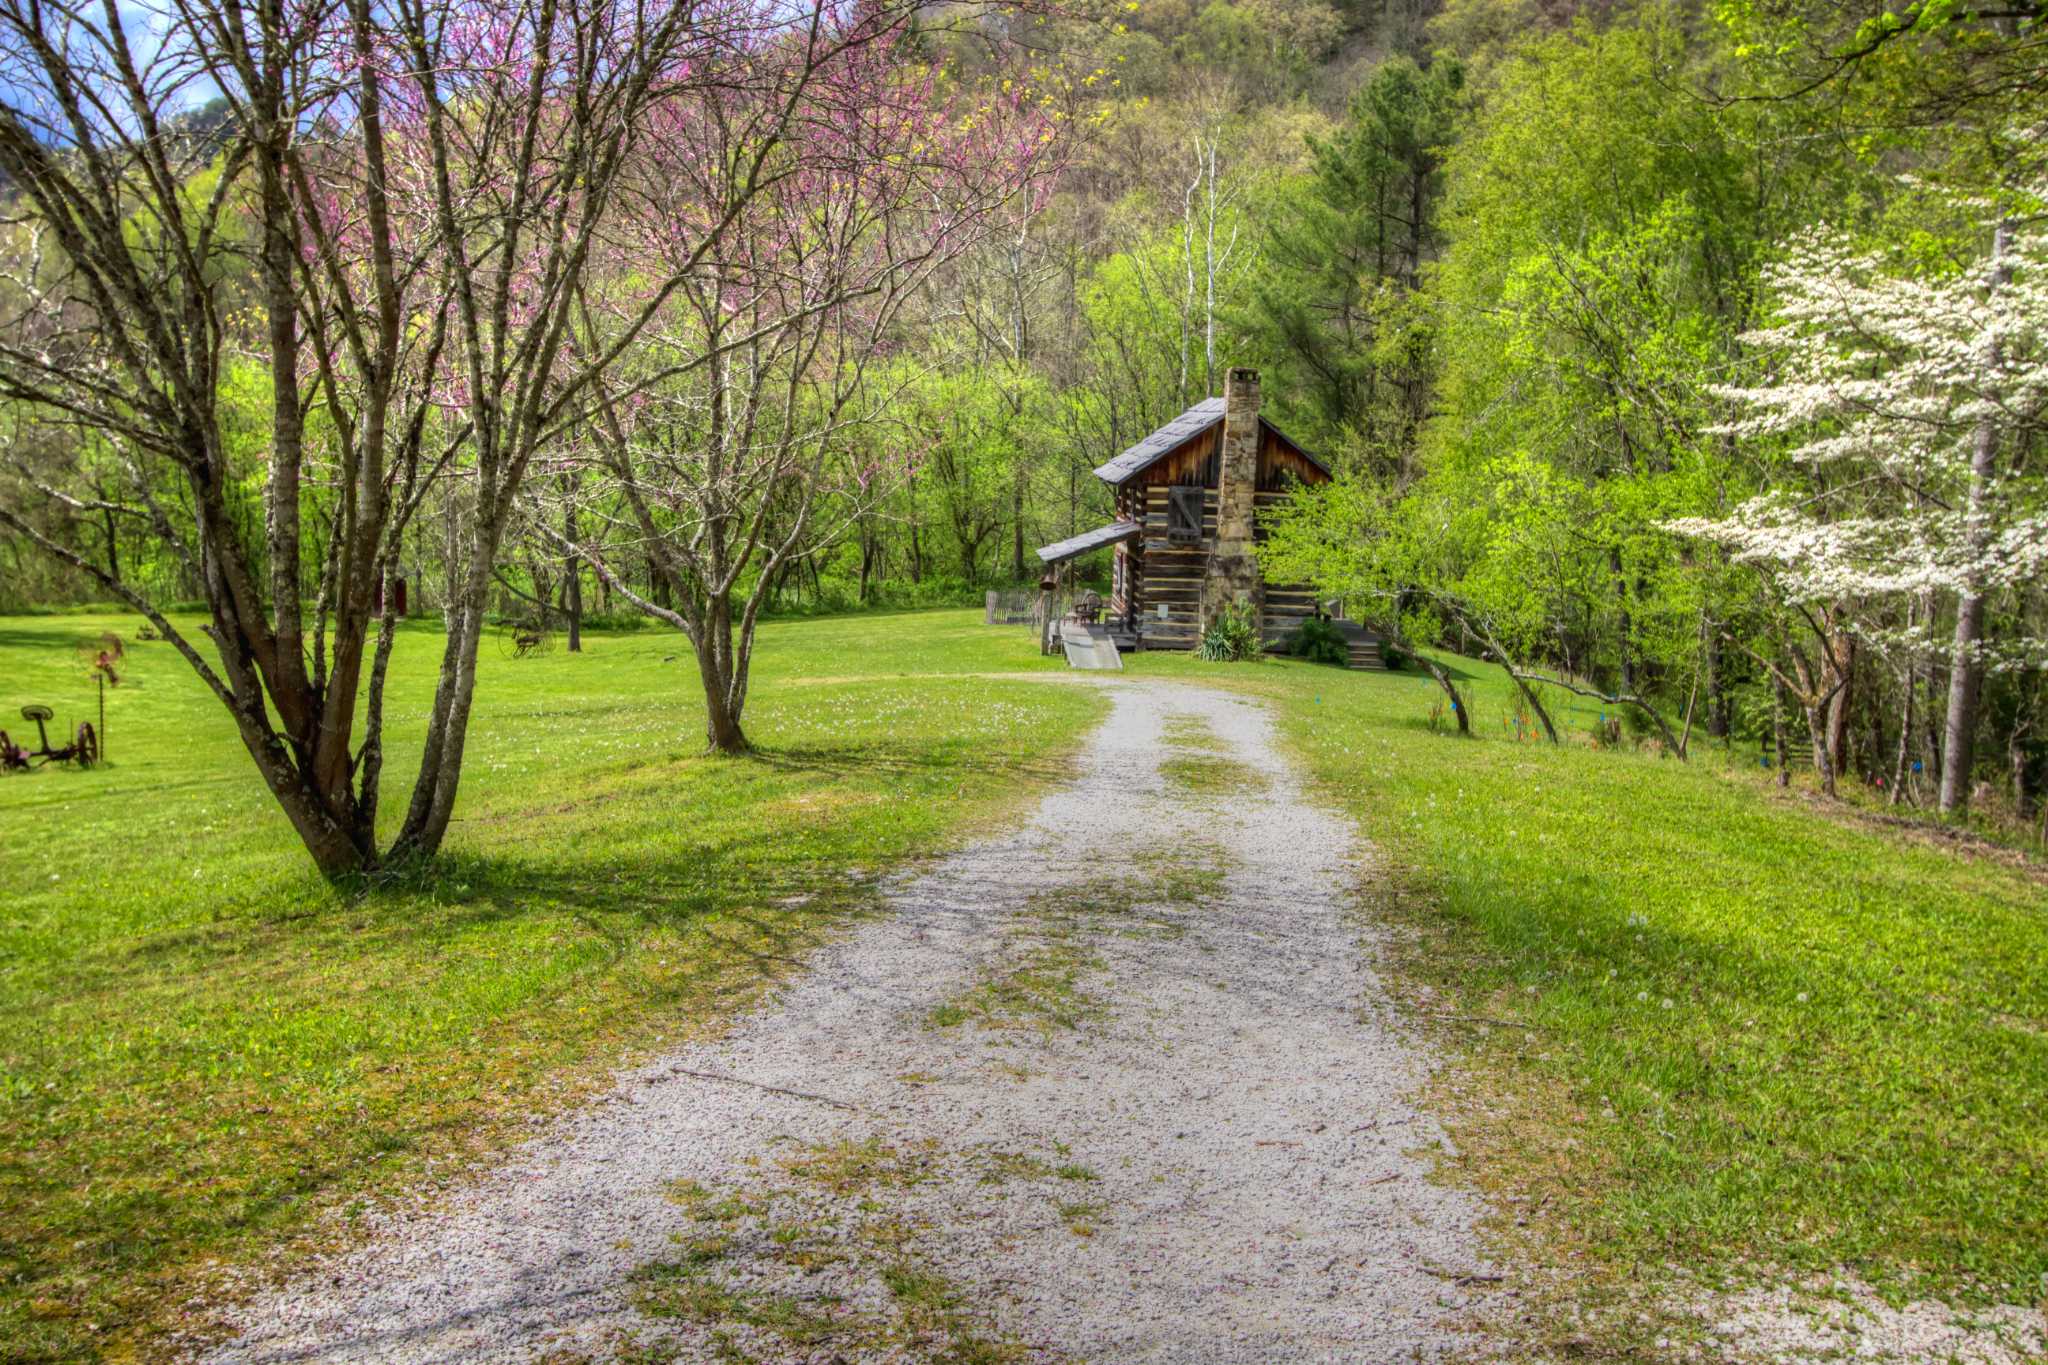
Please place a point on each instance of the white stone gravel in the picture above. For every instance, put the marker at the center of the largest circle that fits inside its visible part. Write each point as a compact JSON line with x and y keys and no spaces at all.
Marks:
{"x":1262,"y":1189}
{"x":1840,"y":1318}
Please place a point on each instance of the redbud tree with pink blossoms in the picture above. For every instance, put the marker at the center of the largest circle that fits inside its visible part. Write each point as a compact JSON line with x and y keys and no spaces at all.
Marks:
{"x":399,"y":226}
{"x":747,"y":422}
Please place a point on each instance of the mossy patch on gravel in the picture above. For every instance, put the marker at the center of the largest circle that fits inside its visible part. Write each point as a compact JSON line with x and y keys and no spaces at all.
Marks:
{"x":1207,"y":775}
{"x":1039,"y":979}
{"x":823,"y":1268}
{"x":1199,"y":762}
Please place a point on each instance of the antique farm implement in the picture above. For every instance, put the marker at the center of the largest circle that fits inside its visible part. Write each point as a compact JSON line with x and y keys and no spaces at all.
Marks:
{"x":84,"y":748}
{"x":526,"y":640}
{"x":98,"y":655}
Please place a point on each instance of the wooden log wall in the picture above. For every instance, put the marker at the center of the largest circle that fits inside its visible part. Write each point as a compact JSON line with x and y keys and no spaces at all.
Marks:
{"x":1169,"y":596}
{"x":1165,"y":577}
{"x":1128,"y":568}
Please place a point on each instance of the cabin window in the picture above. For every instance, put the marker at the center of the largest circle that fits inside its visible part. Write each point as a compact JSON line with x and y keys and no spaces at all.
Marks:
{"x":1184,"y":514}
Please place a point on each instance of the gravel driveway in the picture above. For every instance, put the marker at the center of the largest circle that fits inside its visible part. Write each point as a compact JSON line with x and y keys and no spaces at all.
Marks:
{"x":1122,"y":1086}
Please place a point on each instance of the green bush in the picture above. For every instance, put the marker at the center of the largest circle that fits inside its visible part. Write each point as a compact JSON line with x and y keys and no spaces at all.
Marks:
{"x":1319,"y":642}
{"x":623,"y":618}
{"x":1232,"y":638}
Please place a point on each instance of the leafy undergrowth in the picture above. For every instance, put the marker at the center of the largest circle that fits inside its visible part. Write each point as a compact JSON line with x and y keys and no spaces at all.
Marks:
{"x":201,"y":1044}
{"x":1728,"y":1033}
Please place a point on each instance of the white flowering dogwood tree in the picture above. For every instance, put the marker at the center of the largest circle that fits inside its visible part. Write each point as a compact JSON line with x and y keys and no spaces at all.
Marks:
{"x":1907,"y":407}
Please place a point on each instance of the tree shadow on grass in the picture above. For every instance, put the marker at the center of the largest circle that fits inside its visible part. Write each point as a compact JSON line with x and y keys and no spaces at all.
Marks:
{"x":671,"y":881}
{"x":692,"y":933}
{"x":1451,"y":664}
{"x":666,"y":882}
{"x":60,"y":639}
{"x":668,"y":889}
{"x":870,"y":759}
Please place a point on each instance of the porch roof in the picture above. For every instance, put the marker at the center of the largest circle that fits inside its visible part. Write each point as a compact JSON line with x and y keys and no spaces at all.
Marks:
{"x":1088,"y":540}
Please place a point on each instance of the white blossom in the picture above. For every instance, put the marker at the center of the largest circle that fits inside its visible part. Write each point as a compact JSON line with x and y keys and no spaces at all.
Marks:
{"x":1878,"y":384}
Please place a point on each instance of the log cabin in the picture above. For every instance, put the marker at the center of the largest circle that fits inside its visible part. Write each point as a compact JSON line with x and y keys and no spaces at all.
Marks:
{"x":1188,"y":500}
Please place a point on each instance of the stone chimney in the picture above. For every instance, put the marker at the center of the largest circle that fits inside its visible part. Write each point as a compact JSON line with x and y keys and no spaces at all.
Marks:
{"x":1233,"y":574}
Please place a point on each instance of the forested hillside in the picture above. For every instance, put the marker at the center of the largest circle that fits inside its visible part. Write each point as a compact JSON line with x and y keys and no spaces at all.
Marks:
{"x":1684,"y":351}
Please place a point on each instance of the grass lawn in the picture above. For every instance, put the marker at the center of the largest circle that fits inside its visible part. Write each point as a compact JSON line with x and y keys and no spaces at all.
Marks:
{"x":1728,"y":1032}
{"x":200,"y":1042}
{"x":1733,"y":1030}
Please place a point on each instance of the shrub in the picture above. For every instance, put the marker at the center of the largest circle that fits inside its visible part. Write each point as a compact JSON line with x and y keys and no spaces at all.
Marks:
{"x":626,"y":618}
{"x":1232,"y":638}
{"x":1319,"y":642}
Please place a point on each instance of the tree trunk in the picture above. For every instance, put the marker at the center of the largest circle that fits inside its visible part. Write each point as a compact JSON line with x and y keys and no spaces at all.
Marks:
{"x":1625,"y":627}
{"x":572,"y":577}
{"x":1842,"y":663}
{"x":1930,"y":728}
{"x":1823,"y":762}
{"x":113,"y":545}
{"x":1965,"y":683}
{"x":1500,"y":654}
{"x":722,"y":732}
{"x":1718,"y":713}
{"x":719,"y":666}
{"x":440,"y":775}
{"x":1535,"y":702}
{"x":1685,"y":736}
{"x":1778,"y":731}
{"x":1901,"y":773}
{"x":2022,"y":791}
{"x":339,"y":848}
{"x":1443,"y":680}
{"x":1966,"y":668}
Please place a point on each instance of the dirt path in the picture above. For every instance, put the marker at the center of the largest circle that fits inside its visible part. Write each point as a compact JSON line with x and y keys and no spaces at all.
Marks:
{"x":1072,"y":1100}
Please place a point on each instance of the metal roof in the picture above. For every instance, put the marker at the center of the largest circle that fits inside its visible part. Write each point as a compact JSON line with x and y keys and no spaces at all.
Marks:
{"x":1088,"y":540}
{"x":1193,"y":422}
{"x":1200,"y":417}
